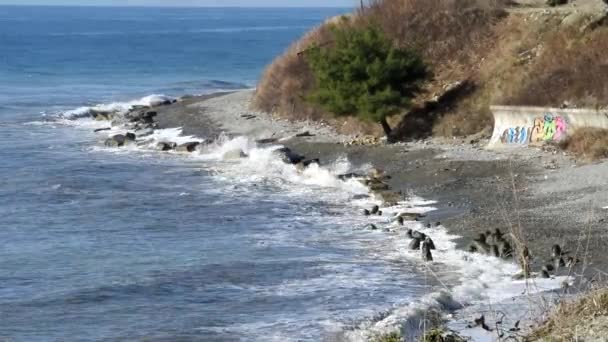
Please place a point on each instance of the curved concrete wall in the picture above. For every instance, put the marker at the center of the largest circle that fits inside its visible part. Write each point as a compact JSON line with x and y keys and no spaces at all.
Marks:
{"x":522,"y":126}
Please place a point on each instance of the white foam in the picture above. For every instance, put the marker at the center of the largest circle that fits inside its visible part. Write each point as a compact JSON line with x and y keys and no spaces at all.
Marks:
{"x":116,"y":107}
{"x":483,"y":279}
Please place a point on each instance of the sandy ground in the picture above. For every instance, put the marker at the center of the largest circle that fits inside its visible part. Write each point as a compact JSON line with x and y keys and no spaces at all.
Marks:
{"x":543,"y":195}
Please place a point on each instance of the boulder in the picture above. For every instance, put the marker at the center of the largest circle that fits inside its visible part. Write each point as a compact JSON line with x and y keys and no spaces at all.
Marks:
{"x":188,"y":147}
{"x":165,"y":146}
{"x":102,"y":129}
{"x":266,"y":141}
{"x":288,"y":156}
{"x":120,"y":140}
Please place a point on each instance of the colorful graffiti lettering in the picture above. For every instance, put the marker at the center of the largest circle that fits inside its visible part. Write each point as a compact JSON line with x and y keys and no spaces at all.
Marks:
{"x":517,"y":135}
{"x":548,"y":128}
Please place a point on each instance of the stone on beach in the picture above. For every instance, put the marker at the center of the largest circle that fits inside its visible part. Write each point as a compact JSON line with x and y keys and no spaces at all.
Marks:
{"x":165,"y":146}
{"x":288,"y":156}
{"x":188,"y":147}
{"x":120,"y":140}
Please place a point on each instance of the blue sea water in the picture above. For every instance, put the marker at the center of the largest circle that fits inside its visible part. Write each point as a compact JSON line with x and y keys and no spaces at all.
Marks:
{"x":104,"y":245}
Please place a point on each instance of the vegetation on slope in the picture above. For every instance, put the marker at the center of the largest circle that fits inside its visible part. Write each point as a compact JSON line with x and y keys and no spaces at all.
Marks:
{"x":481,"y":52}
{"x":363,"y":74}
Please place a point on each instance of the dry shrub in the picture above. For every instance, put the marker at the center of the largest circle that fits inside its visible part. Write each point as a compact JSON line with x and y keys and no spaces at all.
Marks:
{"x":449,"y":34}
{"x":573,"y":319}
{"x":588,"y":143}
{"x":288,"y":79}
{"x":572,"y":67}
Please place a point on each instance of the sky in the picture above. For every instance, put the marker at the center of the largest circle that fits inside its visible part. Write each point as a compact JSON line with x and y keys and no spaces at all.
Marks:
{"x":215,"y":3}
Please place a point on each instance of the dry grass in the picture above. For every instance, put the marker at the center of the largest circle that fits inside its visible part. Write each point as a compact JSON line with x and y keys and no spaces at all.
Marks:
{"x":588,"y":143}
{"x":571,"y":67}
{"x":450,"y":35}
{"x":573,"y":319}
{"x":523,"y":58}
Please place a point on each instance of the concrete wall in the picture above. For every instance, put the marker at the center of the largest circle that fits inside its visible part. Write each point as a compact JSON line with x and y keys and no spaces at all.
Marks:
{"x":522,"y":126}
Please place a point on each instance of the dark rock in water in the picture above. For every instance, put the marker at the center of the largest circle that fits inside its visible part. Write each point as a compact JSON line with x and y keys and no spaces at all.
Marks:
{"x":266,"y":141}
{"x":102,"y":129}
{"x":479,"y":247}
{"x":376,"y":185}
{"x":505,"y":249}
{"x":414,"y":244}
{"x":166,"y":146}
{"x":429,"y":243}
{"x":375,"y":210}
{"x":366,"y":212}
{"x":494,"y":251}
{"x":414,"y":234}
{"x":544,"y":273}
{"x":149,"y":114}
{"x":556,"y":251}
{"x":372,"y":226}
{"x":426,"y":251}
{"x":119,"y":140}
{"x":347,"y":176}
{"x":399,"y":220}
{"x":188,"y":147}
{"x":559,"y":262}
{"x":288,"y":156}
{"x":379,"y":212}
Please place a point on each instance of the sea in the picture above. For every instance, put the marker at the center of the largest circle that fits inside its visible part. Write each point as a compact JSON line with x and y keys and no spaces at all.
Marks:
{"x":106,"y":244}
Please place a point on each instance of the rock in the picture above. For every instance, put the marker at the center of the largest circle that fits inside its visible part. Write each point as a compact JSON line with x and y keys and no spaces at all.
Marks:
{"x":102,"y":116}
{"x":347,"y":176}
{"x":144,"y":132}
{"x":378,"y":186}
{"x":266,"y":141}
{"x":375,"y":210}
{"x":188,"y":147}
{"x":366,"y":212}
{"x":304,"y":134}
{"x":288,"y":156}
{"x":119,"y":140}
{"x":414,"y":244}
{"x":165,"y":146}
{"x":372,"y":226}
{"x":102,"y":129}
{"x":429,"y":243}
{"x":234,"y":154}
{"x":414,"y":234}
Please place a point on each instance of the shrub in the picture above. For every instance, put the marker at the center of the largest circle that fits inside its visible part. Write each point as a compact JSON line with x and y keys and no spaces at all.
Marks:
{"x":589,"y":143}
{"x":363,"y":74}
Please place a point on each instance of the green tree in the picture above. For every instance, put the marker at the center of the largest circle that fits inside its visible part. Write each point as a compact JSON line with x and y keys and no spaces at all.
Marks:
{"x":362,"y":73}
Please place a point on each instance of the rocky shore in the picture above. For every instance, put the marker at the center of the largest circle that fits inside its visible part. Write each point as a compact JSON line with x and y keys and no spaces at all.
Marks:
{"x":538,"y":198}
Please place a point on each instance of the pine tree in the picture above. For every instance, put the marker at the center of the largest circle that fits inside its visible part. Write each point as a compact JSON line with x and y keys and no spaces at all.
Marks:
{"x":361,"y":73}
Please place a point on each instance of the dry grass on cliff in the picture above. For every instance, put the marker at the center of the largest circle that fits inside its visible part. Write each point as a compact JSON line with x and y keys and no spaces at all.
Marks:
{"x":588,"y":143}
{"x":450,"y":35}
{"x":571,"y":67}
{"x":585,"y":318}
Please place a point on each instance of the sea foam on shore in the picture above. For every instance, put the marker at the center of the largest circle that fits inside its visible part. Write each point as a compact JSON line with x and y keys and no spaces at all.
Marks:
{"x":463,"y":279}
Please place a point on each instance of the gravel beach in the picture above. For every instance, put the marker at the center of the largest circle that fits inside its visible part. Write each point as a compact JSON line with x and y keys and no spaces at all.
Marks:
{"x":543,"y":195}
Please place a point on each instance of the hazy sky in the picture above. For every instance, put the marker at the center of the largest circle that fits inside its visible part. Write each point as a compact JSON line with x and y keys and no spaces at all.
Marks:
{"x":242,"y":3}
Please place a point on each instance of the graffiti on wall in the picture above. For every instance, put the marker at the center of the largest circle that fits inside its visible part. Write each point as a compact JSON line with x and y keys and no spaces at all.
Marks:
{"x":547,"y":128}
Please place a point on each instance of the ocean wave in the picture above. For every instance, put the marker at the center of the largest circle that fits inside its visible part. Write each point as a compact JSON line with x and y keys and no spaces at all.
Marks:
{"x":478,"y":278}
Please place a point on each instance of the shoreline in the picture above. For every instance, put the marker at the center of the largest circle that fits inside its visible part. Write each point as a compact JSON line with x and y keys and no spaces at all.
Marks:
{"x":473,"y":186}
